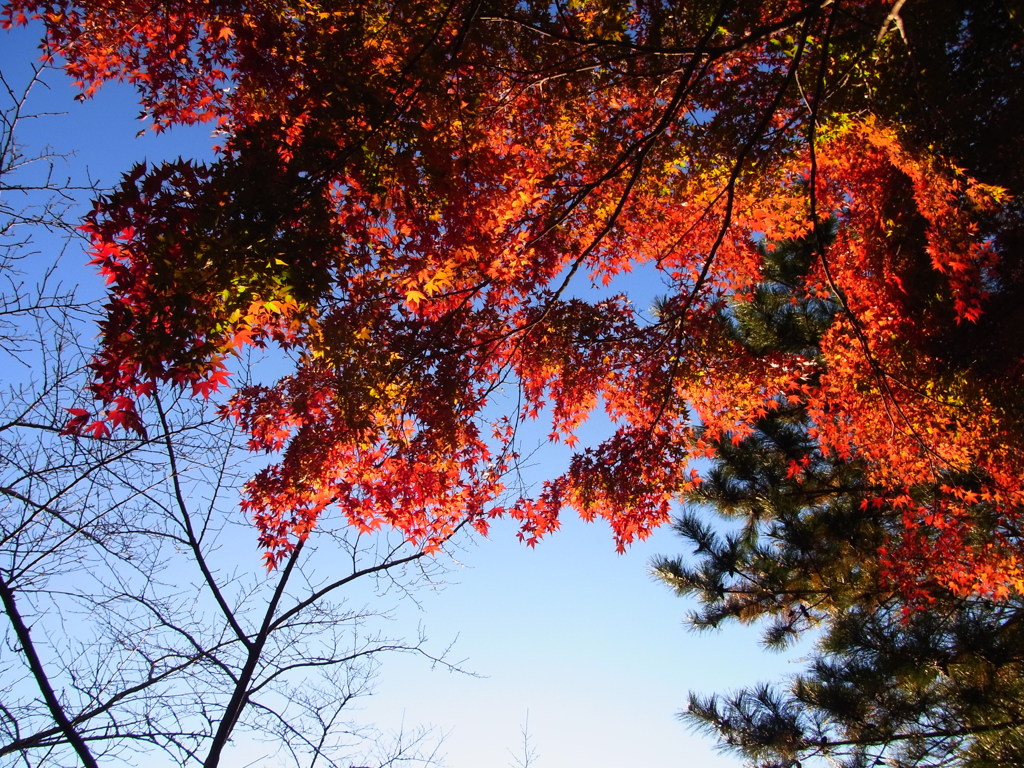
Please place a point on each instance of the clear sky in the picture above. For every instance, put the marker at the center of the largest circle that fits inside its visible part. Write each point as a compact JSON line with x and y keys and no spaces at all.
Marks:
{"x":579,"y":640}
{"x":586,"y":642}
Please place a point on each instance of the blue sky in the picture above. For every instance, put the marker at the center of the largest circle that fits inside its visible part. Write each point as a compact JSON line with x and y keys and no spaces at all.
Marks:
{"x":586,"y":642}
{"x":574,"y":637}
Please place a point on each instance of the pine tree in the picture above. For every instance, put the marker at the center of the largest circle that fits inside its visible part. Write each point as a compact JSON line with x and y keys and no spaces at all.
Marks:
{"x":933,"y":682}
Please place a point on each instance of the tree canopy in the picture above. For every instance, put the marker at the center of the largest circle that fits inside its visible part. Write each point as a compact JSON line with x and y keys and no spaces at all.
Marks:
{"x":409,"y":197}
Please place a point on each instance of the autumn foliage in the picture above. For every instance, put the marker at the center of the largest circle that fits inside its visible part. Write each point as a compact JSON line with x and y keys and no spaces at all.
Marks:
{"x":453,"y":216}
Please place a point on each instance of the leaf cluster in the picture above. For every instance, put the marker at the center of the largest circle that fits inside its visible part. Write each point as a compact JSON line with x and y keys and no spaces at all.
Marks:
{"x":447,"y":216}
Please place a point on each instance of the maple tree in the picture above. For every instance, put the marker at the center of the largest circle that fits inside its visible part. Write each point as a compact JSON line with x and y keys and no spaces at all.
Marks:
{"x":407,"y":197}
